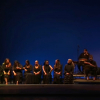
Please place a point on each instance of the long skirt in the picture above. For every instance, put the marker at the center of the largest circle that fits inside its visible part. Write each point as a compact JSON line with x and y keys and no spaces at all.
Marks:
{"x":37,"y":79}
{"x":68,"y":79}
{"x":6,"y":76}
{"x":28,"y":78}
{"x":57,"y":79}
{"x":46,"y":79}
{"x":91,"y":70}
{"x":18,"y":77}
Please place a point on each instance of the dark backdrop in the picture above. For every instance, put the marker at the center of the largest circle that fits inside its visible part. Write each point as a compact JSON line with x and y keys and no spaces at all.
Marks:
{"x":48,"y":30}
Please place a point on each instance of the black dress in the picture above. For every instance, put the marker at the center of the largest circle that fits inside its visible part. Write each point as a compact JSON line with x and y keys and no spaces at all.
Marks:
{"x":46,"y":78}
{"x":18,"y":72}
{"x":90,"y":69}
{"x":57,"y":76}
{"x":1,"y":74}
{"x":28,"y":74}
{"x":37,"y":78}
{"x":68,"y":79}
{"x":6,"y":69}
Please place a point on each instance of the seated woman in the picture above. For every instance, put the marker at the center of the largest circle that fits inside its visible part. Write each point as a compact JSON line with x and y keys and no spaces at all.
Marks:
{"x":91,"y":66}
{"x":28,"y":74}
{"x":57,"y":72}
{"x":17,"y":71}
{"x":47,"y":69}
{"x":37,"y":70}
{"x":6,"y":69}
{"x":68,"y":72}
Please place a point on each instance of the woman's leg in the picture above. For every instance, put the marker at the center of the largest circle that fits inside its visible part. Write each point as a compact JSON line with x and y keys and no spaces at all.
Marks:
{"x":87,"y":69}
{"x":55,"y":78}
{"x":94,"y":71}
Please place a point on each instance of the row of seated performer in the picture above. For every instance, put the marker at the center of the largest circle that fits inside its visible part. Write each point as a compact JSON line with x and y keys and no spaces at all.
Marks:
{"x":35,"y":77}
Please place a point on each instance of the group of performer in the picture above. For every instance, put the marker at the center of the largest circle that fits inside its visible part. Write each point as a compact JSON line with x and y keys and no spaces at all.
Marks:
{"x":88,"y":64}
{"x":33,"y":74}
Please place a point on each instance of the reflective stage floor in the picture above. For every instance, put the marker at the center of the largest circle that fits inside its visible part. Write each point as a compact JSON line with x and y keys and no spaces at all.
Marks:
{"x":49,"y":91}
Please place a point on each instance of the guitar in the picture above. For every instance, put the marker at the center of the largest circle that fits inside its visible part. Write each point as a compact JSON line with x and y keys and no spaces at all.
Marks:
{"x":89,"y":64}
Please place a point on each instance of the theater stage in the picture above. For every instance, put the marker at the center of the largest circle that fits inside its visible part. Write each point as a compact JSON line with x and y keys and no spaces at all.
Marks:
{"x":43,"y":89}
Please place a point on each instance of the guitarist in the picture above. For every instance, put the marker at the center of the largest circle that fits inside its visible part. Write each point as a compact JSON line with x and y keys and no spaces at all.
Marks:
{"x":83,"y":57}
{"x":91,"y":66}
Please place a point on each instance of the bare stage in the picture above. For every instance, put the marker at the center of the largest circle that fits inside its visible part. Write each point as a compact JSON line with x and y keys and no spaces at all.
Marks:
{"x":41,"y":89}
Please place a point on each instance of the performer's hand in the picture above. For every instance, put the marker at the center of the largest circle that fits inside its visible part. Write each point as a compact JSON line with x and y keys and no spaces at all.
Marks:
{"x":9,"y":73}
{"x":28,"y":66}
{"x":59,"y":73}
{"x":4,"y":72}
{"x":14,"y":74}
{"x":67,"y":73}
{"x":25,"y":69}
{"x":35,"y":73}
{"x":45,"y":73}
{"x":17,"y":67}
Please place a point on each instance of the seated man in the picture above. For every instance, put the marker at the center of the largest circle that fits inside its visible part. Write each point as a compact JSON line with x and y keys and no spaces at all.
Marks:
{"x":83,"y":57}
{"x":90,"y":66}
{"x":68,"y":72}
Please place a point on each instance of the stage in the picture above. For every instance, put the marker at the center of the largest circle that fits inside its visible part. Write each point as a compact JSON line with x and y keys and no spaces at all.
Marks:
{"x":43,"y":89}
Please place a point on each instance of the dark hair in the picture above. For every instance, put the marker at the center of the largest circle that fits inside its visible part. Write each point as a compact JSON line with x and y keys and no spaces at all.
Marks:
{"x":58,"y":65}
{"x":45,"y":62}
{"x":6,"y":60}
{"x":27,"y":61}
{"x":85,"y":49}
{"x":58,"y":61}
{"x":16,"y":62}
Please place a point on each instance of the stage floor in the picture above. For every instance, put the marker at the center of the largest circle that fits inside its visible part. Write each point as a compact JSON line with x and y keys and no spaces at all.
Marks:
{"x":84,"y":81}
{"x":43,"y":89}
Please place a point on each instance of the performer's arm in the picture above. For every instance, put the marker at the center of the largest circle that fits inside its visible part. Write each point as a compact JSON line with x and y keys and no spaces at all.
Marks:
{"x":44,"y":70}
{"x":50,"y":68}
